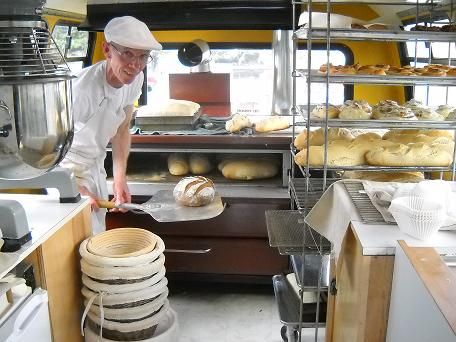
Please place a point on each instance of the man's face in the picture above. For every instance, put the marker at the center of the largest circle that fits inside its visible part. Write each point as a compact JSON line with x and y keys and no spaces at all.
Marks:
{"x":126,"y":63}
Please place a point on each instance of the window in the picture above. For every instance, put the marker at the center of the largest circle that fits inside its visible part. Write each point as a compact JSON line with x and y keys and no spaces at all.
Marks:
{"x":73,"y":44}
{"x":421,"y":53}
{"x":251,"y":81}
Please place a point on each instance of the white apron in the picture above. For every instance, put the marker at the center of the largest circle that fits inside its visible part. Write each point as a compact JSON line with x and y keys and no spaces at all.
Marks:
{"x":88,"y":151}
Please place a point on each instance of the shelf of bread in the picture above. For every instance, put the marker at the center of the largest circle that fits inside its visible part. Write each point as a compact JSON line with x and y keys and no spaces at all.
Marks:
{"x":396,"y":150}
{"x":319,"y":77}
{"x":384,"y":114}
{"x":379,"y":35}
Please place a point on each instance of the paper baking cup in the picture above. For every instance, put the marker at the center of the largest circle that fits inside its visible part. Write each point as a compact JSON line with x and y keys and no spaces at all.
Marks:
{"x":417,"y":216}
{"x":122,"y":243}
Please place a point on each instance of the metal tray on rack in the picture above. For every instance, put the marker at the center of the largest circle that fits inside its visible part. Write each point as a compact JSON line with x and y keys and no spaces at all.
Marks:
{"x":286,"y":228}
{"x":312,"y":266}
{"x":305,"y":198}
{"x":380,"y":35}
{"x":319,"y":77}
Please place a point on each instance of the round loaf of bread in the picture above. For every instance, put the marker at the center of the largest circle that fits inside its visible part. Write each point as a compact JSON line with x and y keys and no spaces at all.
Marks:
{"x":390,"y":110}
{"x":319,"y":112}
{"x":249,"y":168}
{"x":199,"y":163}
{"x":272,"y":123}
{"x":355,"y":110}
{"x":445,"y":110}
{"x":428,"y":114}
{"x":318,"y":137}
{"x":418,"y":154}
{"x":194,"y":191}
{"x":238,"y":122}
{"x":412,"y":132}
{"x":178,"y":164}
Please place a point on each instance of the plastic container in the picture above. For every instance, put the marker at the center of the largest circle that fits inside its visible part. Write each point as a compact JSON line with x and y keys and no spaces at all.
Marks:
{"x":417,"y":216}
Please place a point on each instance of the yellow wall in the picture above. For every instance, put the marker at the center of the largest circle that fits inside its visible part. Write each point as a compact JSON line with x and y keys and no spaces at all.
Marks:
{"x":364,"y":53}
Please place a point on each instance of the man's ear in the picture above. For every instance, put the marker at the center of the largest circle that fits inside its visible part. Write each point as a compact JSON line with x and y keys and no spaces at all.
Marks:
{"x":106,"y":50}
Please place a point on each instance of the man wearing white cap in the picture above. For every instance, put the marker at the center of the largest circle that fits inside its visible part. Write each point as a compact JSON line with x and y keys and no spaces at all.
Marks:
{"x":103,"y":98}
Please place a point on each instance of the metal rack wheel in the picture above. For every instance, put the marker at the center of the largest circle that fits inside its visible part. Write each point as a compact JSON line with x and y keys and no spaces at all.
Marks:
{"x":289,"y":333}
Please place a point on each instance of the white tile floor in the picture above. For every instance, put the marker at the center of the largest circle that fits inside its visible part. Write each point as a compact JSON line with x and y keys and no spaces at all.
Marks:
{"x":228,"y":313}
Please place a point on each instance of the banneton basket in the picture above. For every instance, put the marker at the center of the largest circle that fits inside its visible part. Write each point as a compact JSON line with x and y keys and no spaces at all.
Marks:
{"x":128,"y":299}
{"x":167,"y":331}
{"x":136,"y":260}
{"x":128,"y":330}
{"x":122,"y":243}
{"x":417,"y":216}
{"x":123,"y":273}
{"x":96,"y":286}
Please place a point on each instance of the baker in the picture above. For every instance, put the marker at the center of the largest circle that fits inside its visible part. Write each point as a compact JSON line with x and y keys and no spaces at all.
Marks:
{"x":103,"y":98}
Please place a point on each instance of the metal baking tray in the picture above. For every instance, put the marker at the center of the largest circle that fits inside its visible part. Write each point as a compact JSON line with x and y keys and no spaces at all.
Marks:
{"x":319,"y":77}
{"x":380,"y":35}
{"x":312,"y":266}
{"x":169,"y":122}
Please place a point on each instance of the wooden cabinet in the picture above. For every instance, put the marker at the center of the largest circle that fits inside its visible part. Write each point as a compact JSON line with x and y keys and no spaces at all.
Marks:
{"x":233,"y":245}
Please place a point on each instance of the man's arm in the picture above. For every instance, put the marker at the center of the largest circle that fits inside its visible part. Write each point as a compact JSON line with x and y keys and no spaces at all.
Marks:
{"x":120,"y":149}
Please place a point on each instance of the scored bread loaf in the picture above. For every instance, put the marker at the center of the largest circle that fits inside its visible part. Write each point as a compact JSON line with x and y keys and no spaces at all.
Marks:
{"x":199,"y":163}
{"x":379,"y":176}
{"x":319,"y":112}
{"x":249,"y":168}
{"x":417,"y":154}
{"x":317,"y":137}
{"x":178,"y":164}
{"x":238,"y":122}
{"x":272,"y":123}
{"x":431,"y":133}
{"x":194,"y":191}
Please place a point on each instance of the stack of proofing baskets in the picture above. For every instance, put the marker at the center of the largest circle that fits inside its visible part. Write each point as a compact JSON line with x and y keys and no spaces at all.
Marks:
{"x":124,"y":285}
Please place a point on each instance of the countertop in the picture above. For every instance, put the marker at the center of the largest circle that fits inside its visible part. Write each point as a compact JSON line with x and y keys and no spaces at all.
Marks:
{"x":382,"y":239}
{"x":45,"y":215}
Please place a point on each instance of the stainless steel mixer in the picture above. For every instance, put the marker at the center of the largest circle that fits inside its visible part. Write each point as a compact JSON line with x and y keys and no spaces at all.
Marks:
{"x":36,"y":124}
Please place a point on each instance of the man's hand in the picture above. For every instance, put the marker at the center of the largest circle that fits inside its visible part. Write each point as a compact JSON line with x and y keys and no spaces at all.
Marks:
{"x":83,"y":190}
{"x":121,"y":193}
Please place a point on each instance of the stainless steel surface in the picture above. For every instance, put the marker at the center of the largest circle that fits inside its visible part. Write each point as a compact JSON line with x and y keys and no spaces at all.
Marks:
{"x":286,"y":228}
{"x":282,"y":48}
{"x":169,"y":122}
{"x":21,"y":7}
{"x":319,"y":77}
{"x":188,"y":251}
{"x":369,"y":214}
{"x":312,"y":266}
{"x":39,"y":112}
{"x":288,"y":303}
{"x":381,"y":35}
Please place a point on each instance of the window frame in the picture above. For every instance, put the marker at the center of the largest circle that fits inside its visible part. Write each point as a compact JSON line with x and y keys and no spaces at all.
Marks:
{"x":348,"y":88}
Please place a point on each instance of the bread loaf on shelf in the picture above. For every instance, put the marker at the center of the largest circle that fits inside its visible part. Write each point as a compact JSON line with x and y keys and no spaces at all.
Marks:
{"x":272,"y":123}
{"x":417,"y":154}
{"x":199,"y":163}
{"x":379,"y":176}
{"x":319,"y":112}
{"x":249,"y":168}
{"x":178,"y":164}
{"x":238,"y":122}
{"x":318,"y":137}
{"x":412,"y":132}
{"x":194,"y":191}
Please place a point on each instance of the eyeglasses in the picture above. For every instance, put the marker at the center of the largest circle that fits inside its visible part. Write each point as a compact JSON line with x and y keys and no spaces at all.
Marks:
{"x":129,"y":57}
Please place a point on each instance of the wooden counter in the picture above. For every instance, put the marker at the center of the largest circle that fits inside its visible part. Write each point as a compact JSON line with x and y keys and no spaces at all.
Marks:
{"x":57,"y":231}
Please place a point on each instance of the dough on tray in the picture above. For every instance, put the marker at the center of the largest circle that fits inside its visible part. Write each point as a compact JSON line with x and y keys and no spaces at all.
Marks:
{"x":238,"y":122}
{"x":272,"y":123}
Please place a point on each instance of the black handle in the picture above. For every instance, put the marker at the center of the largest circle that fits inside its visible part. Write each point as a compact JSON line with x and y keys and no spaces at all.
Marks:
{"x":5,"y":130}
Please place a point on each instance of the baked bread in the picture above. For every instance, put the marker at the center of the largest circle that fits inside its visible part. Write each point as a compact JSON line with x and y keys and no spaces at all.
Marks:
{"x":340,"y":153}
{"x":367,"y":137}
{"x":272,"y":123}
{"x":199,"y":163}
{"x":430,"y":132}
{"x":170,"y":108}
{"x":238,"y":122}
{"x":178,"y":164}
{"x":319,"y":112}
{"x":445,"y":110}
{"x":418,"y":154}
{"x":355,"y":110}
{"x":390,"y":110}
{"x":318,"y":137}
{"x":379,"y":176}
{"x":194,"y":191}
{"x":428,"y":114}
{"x":249,"y":168}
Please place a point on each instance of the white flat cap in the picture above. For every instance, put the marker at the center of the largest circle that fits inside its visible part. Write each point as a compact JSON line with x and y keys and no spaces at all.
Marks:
{"x":130,"y":32}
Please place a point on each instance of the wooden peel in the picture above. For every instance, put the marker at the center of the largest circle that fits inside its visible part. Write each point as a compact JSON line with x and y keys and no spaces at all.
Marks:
{"x":163,"y":208}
